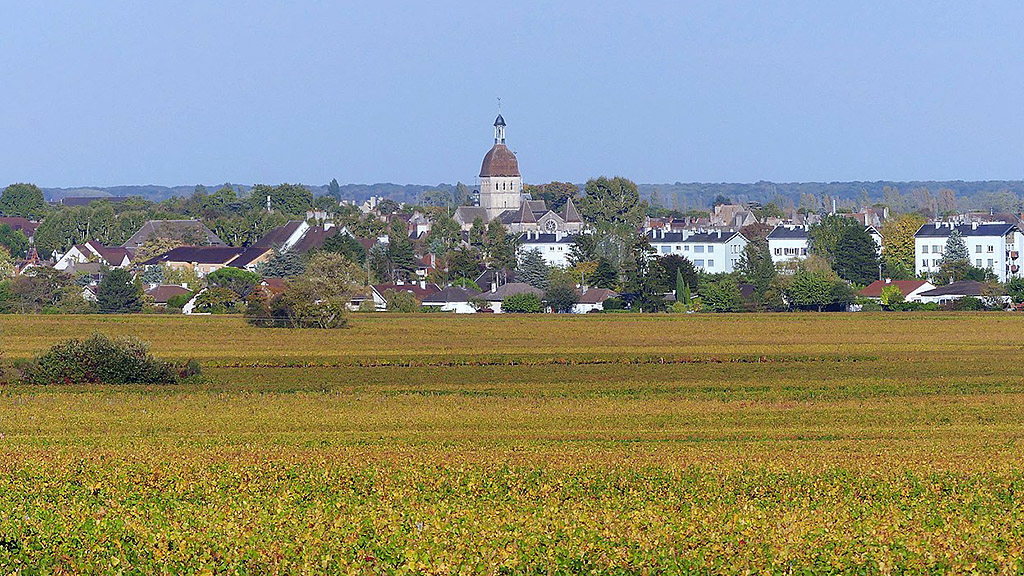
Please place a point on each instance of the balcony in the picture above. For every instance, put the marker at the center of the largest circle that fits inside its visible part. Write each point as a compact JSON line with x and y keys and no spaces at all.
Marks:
{"x":1014,"y":254}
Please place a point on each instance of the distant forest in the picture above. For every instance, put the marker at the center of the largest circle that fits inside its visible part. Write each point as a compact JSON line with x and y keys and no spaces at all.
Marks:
{"x":934,"y":197}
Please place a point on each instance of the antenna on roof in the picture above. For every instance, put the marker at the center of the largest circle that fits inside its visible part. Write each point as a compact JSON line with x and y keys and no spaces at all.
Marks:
{"x":499,"y":104}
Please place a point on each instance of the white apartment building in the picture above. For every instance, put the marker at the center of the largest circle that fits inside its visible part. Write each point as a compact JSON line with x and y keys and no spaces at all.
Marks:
{"x":994,"y":246}
{"x":789,"y":241}
{"x":554,"y":248}
{"x":712,"y":252}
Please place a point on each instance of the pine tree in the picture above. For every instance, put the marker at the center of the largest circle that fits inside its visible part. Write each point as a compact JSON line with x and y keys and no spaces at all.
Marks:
{"x":119,"y":293}
{"x":533,"y":270}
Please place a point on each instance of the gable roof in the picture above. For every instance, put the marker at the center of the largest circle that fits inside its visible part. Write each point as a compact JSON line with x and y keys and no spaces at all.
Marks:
{"x":788,"y":233}
{"x":569,"y":213}
{"x":164,"y":292}
{"x":511,"y":289}
{"x":943,"y":230}
{"x":715,"y":237}
{"x":907,"y":287}
{"x":451,"y":294}
{"x":172,"y":229}
{"x":27,"y":226}
{"x":197,"y":255}
{"x":961,"y":288}
{"x":468,"y":214}
{"x":420,"y":292}
{"x":278,"y":235}
{"x":595,"y":295}
{"x":113,"y":255}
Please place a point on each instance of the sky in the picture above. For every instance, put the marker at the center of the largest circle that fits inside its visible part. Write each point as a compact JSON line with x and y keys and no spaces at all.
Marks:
{"x":106,"y":93}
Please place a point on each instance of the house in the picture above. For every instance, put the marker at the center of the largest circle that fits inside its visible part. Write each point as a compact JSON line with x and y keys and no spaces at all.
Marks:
{"x":161,"y":293}
{"x":787,"y":242}
{"x":910,"y":289}
{"x":710,"y":251}
{"x":189,"y":231}
{"x":296,"y":235}
{"x":490,"y":279}
{"x":453,"y":299}
{"x":23,"y":225}
{"x":732,"y":215}
{"x":592,"y":299}
{"x":93,"y":251}
{"x":202,"y":259}
{"x":554,"y":248}
{"x":957,"y":290}
{"x":497,"y":294}
{"x":993,"y":246}
{"x":421,"y":291}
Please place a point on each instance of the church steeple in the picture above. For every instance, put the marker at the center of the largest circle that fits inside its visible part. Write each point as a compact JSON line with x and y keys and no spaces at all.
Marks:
{"x":499,"y":129}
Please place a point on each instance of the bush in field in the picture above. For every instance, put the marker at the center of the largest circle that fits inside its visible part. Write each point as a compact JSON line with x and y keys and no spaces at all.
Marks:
{"x":100,"y":359}
{"x":524,"y":303}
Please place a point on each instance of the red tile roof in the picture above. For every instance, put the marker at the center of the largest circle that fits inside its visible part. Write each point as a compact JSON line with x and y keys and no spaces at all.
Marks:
{"x":874,"y":290}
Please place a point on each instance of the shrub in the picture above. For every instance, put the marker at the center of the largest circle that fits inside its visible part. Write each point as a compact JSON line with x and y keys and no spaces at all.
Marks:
{"x":100,"y":359}
{"x":524,"y":303}
{"x":614,"y":303}
{"x":178,"y":302}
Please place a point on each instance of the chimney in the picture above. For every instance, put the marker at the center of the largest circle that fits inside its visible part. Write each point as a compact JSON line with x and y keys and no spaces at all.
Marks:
{"x":937,"y":225}
{"x":719,"y":234}
{"x":494,"y":284}
{"x":888,"y":280}
{"x":974,"y":225}
{"x":423,"y":284}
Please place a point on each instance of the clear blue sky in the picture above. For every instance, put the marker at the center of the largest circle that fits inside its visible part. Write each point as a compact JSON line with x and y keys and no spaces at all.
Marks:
{"x":105,"y":93}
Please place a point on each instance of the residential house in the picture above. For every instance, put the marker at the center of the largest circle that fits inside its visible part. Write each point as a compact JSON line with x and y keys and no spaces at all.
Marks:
{"x":732,"y":215}
{"x":453,"y":299}
{"x":592,"y":299}
{"x":202,"y":259}
{"x":957,"y":290}
{"x":93,"y":251}
{"x":710,"y":251}
{"x":910,"y":289}
{"x":421,"y":291}
{"x":497,"y":294}
{"x":161,"y":293}
{"x":23,"y":225}
{"x":787,"y":242}
{"x":994,"y":246}
{"x":296,"y":235}
{"x":554,"y":248}
{"x":190,"y":231}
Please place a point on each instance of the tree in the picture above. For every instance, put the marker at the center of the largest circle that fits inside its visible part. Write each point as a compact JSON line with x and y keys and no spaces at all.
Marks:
{"x":401,"y":301}
{"x":240,"y":282}
{"x":720,"y":295}
{"x":524,"y":303}
{"x":1015,"y":290}
{"x":641,"y":278}
{"x":891,"y":296}
{"x":464,"y":263}
{"x":898,"y":248}
{"x":217,"y":300}
{"x":6,"y":264}
{"x":605,"y":275}
{"x":445,"y":234}
{"x":288,"y":199}
{"x":533,"y":269}
{"x":666,"y":268}
{"x":612,"y":202}
{"x":319,"y":296}
{"x":25,"y":200}
{"x":119,"y":293}
{"x":283,"y":264}
{"x":955,"y":264}
{"x":400,"y":255}
{"x":583,"y":249}
{"x":811,"y":290}
{"x":14,"y":241}
{"x":436,"y":197}
{"x":856,"y":256}
{"x":756,"y":267}
{"x":499,"y":246}
{"x":561,"y":297}
{"x":554,"y":194}
{"x":334,"y":189}
{"x":347,"y":246}
{"x":823,"y":238}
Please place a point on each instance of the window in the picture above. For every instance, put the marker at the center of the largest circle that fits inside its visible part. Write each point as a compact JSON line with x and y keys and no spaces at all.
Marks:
{"x":803,"y":251}
{"x":678,"y":248}
{"x":666,"y":249}
{"x":924,"y":263}
{"x":686,"y":248}
{"x":698,"y":263}
{"x":711,"y":263}
{"x":698,"y":249}
{"x":778,"y":251}
{"x":991,"y":249}
{"x":978,"y":248}
{"x":935,"y":249}
{"x":924,"y":249}
{"x":711,"y":249}
{"x":979,"y":262}
{"x":935,"y":262}
{"x":735,"y":262}
{"x":990,"y":263}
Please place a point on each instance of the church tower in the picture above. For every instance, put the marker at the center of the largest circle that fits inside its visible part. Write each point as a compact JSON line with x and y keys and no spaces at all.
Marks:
{"x":501,"y":186}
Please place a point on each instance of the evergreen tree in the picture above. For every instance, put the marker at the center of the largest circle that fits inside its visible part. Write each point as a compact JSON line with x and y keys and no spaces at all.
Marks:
{"x":499,"y":246}
{"x":756,"y":267}
{"x":856,"y":257}
{"x":119,"y":293}
{"x":334,"y":189}
{"x":532,"y":269}
{"x":955,"y":264}
{"x":401,"y":256}
{"x":347,"y":246}
{"x":283,"y":264}
{"x":605,"y":275}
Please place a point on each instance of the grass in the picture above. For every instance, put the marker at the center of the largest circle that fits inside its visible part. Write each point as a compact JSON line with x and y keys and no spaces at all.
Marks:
{"x":609,"y":444}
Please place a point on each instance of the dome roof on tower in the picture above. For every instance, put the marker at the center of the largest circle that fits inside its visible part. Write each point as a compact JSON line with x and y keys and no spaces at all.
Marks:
{"x":499,"y":161}
{"x":499,"y":121}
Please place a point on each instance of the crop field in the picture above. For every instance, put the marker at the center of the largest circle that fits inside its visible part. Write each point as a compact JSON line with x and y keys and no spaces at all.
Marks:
{"x":432,"y":444}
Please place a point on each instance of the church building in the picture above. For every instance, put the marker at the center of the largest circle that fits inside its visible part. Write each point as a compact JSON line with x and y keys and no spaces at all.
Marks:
{"x":502,"y":197}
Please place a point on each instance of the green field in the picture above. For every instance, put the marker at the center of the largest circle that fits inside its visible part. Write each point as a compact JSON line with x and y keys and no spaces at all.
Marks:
{"x":804,"y":443}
